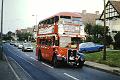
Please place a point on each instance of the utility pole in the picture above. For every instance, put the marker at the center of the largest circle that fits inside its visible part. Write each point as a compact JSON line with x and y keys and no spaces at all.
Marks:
{"x":35,"y":19}
{"x":104,"y":52}
{"x":1,"y":54}
{"x":34,"y":32}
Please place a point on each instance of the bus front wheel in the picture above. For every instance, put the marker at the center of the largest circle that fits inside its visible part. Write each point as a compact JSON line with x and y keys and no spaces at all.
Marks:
{"x":55,"y":62}
{"x":39,"y":56}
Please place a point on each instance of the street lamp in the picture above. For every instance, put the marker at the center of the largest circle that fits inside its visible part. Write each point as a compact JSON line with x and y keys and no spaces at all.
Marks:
{"x":1,"y":20}
{"x":34,"y":31}
{"x":35,"y":18}
{"x":104,"y":52}
{"x":1,"y":54}
{"x":28,"y":38}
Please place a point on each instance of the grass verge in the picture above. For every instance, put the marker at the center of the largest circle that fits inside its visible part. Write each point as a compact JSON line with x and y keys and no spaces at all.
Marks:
{"x":113,"y":58}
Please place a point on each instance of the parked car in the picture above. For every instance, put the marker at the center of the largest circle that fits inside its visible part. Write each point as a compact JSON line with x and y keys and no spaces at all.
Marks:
{"x":12,"y":43}
{"x":27,"y":47}
{"x":3,"y":41}
{"x":90,"y":47}
{"x":16,"y":44}
{"x":20,"y":45}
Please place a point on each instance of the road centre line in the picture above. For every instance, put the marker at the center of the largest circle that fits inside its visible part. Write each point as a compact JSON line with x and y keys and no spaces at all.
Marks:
{"x":26,"y":54}
{"x":30,"y":62}
{"x":33,"y":58}
{"x":12,"y":69}
{"x":22,"y":58}
{"x":70,"y":76}
{"x":47,"y":65}
{"x":21,"y":67}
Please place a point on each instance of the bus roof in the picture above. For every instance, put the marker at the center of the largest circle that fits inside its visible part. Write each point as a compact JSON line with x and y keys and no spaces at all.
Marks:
{"x":73,"y":14}
{"x":68,"y":14}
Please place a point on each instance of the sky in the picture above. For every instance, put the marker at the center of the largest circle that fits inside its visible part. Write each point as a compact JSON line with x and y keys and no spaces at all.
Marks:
{"x":18,"y":14}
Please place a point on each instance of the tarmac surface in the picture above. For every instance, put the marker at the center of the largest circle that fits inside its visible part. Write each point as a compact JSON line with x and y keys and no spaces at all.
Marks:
{"x":6,"y":73}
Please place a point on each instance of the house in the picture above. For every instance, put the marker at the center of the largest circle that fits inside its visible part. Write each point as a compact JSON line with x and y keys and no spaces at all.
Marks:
{"x":30,"y":30}
{"x":89,"y":18}
{"x":24,"y":30}
{"x":112,"y":17}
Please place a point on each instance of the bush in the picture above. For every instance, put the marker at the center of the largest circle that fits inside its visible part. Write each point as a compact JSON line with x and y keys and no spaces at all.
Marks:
{"x":94,"y":39}
{"x":109,"y":40}
{"x":117,"y":41}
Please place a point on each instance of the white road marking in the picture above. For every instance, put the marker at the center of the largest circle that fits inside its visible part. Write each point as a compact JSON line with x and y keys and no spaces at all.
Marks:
{"x":12,"y":69}
{"x":22,"y":58}
{"x":70,"y":76}
{"x":21,"y":67}
{"x":26,"y":54}
{"x":33,"y":58}
{"x":47,"y":65}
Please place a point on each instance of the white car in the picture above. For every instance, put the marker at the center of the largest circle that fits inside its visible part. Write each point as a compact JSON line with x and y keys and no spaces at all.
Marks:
{"x":16,"y":44}
{"x":12,"y":43}
{"x":27,"y":47}
{"x":20,"y":46}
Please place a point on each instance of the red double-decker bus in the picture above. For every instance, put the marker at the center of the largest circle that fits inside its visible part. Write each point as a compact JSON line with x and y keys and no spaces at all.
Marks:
{"x":58,"y":39}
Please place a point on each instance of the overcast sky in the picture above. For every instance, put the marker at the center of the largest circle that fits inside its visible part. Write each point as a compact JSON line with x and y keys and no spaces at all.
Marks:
{"x":18,"y":13}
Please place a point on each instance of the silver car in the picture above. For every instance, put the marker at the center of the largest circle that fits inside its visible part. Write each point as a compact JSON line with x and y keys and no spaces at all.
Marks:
{"x":27,"y":47}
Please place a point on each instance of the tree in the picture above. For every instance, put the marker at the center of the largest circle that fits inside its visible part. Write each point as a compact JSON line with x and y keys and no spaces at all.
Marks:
{"x":9,"y":33}
{"x":109,"y":40}
{"x":24,"y":36}
{"x":8,"y":36}
{"x":88,"y":29}
{"x":95,"y":33}
{"x":98,"y":30}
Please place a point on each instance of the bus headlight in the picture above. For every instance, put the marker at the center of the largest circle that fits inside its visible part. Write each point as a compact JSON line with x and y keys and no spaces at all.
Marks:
{"x":59,"y":55}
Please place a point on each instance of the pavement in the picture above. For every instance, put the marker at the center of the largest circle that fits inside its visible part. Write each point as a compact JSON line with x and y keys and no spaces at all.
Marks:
{"x":109,"y":49}
{"x":5,"y":71}
{"x":106,"y":68}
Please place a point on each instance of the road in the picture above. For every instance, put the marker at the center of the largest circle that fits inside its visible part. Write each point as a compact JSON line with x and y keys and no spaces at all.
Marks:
{"x":27,"y":67}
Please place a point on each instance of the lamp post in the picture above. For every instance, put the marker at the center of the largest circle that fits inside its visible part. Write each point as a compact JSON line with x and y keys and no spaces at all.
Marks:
{"x":1,"y":54}
{"x":1,"y":20}
{"x":34,"y":32}
{"x":28,"y":38}
{"x":104,"y":52}
{"x":35,"y":18}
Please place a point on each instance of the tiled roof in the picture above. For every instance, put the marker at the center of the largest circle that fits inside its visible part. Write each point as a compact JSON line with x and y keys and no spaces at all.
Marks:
{"x":116,"y":5}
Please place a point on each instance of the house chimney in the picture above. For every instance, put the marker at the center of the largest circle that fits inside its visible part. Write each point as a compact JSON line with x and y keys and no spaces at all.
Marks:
{"x":97,"y":12}
{"x":83,"y":11}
